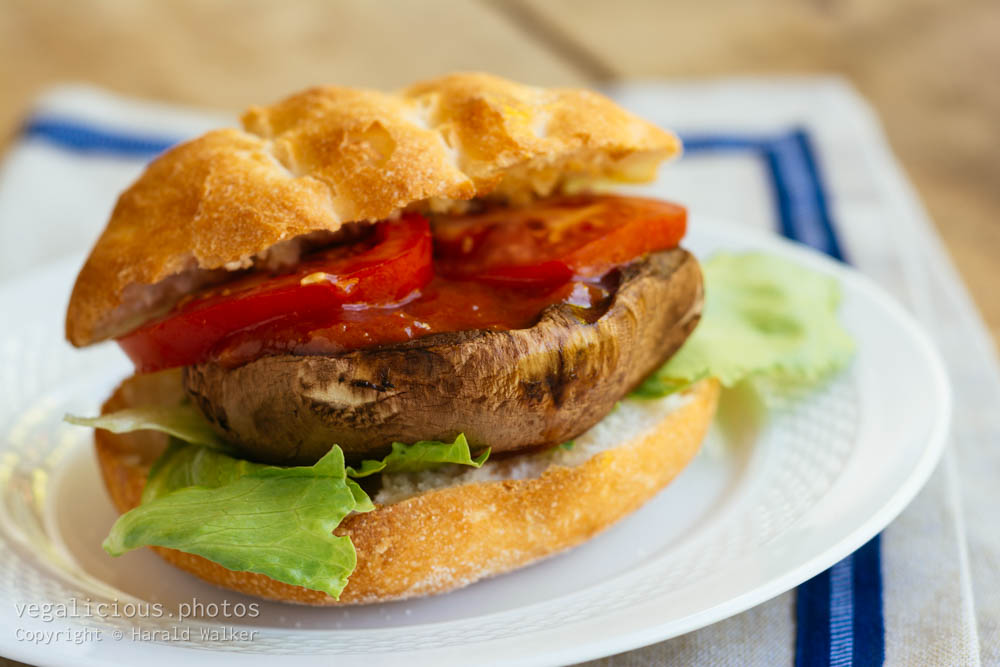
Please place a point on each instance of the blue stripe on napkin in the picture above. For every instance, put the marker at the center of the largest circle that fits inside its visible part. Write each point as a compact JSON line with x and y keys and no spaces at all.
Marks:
{"x":799,"y":193}
{"x":839,"y":617}
{"x":838,"y":613}
{"x":799,"y":197}
{"x":70,"y":134}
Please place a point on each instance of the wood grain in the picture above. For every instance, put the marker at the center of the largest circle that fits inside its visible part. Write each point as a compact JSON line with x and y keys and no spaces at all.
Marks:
{"x":229,"y":54}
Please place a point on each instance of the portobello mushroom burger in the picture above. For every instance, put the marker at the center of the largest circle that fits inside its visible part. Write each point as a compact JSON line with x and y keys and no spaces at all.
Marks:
{"x":386,"y":345}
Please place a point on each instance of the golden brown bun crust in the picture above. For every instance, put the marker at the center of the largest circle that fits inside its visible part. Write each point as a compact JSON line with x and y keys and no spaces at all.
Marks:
{"x":445,"y":539}
{"x":331,"y":155}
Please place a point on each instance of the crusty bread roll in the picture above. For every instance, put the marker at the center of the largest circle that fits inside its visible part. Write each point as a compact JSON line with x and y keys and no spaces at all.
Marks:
{"x":329,"y":156}
{"x":441,"y":530}
{"x":293,"y":177}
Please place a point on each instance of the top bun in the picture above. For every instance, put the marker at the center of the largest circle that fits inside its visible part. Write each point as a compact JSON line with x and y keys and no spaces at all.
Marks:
{"x":329,"y":156}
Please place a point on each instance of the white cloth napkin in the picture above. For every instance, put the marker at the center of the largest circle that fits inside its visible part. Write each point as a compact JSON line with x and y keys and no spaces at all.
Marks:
{"x":805,"y":156}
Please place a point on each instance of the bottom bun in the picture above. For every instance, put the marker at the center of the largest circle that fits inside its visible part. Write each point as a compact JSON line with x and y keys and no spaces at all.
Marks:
{"x":452,"y":533}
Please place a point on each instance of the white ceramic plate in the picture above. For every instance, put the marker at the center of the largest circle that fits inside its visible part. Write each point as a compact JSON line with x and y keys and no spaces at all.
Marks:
{"x":767,"y":504}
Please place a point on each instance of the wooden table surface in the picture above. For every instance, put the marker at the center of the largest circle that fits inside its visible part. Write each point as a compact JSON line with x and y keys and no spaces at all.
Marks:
{"x":930,"y":67}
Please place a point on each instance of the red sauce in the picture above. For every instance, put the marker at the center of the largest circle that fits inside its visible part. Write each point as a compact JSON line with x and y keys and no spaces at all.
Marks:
{"x":443,"y":305}
{"x":493,"y":268}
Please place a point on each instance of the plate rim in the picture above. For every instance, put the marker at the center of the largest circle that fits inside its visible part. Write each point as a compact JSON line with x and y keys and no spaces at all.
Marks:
{"x":740,"y":237}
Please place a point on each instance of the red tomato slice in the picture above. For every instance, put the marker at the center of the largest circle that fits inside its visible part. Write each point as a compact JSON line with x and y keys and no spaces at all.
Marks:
{"x":394,"y":262}
{"x":555,"y":240}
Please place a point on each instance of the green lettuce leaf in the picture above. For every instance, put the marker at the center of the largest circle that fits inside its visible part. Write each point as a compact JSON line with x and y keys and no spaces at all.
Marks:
{"x":420,"y":456}
{"x":763,"y":317}
{"x":248,"y":516}
{"x":181,"y":466}
{"x":186,"y":423}
{"x":182,"y":421}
